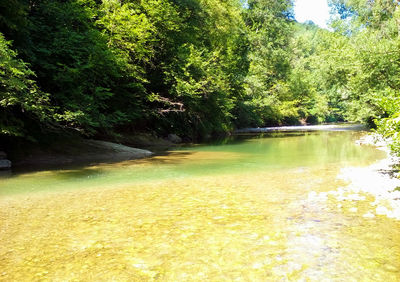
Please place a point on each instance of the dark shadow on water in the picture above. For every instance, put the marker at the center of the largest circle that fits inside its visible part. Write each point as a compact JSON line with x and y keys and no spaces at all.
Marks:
{"x":283,"y":134}
{"x":238,"y":139}
{"x":5,"y":173}
{"x":79,"y":173}
{"x":86,"y":168}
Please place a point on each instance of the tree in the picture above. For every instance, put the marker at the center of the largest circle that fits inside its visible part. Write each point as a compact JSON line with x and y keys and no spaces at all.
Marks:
{"x":21,"y":102}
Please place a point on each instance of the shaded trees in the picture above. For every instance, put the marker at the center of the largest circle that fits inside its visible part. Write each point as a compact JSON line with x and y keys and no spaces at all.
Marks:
{"x":21,"y":102}
{"x":191,"y":67}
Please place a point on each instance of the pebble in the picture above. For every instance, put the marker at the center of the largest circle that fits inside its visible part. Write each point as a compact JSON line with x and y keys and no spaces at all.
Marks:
{"x":368,"y":215}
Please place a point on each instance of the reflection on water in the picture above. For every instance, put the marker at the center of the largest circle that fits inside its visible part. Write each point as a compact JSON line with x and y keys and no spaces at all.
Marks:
{"x":269,"y":152}
{"x":238,"y":210}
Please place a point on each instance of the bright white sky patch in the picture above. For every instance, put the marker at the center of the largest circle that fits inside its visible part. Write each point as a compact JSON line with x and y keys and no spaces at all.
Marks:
{"x":313,"y":10}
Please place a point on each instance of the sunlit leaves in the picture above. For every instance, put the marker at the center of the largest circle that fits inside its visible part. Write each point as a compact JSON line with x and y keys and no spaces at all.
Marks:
{"x":19,"y":94}
{"x":194,"y":67}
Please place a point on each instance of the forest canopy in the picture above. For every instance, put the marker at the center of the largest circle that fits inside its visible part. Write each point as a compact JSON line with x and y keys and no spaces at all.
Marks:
{"x":193,"y":67}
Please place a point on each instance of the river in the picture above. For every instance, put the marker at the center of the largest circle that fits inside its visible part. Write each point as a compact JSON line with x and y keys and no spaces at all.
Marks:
{"x":242,"y":209}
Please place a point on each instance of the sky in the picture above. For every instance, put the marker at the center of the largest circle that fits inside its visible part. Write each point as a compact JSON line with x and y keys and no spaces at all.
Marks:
{"x":314,"y":10}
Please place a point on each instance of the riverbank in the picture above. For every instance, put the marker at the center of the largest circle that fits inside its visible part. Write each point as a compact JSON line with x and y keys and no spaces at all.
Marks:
{"x":67,"y":151}
{"x":70,"y":152}
{"x":322,"y":127}
{"x":77,"y":152}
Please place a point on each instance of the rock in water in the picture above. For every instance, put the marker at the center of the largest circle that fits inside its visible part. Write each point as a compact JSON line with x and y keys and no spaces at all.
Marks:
{"x":121,"y":150}
{"x":5,"y":164}
{"x":174,"y":138}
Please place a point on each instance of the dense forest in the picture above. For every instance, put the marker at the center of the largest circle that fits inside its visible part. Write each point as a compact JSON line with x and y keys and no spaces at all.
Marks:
{"x":196,"y":68}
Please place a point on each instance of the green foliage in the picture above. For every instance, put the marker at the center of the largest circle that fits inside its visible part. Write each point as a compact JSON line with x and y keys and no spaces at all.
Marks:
{"x":203,"y":68}
{"x":192,"y":67}
{"x":268,"y":29}
{"x":369,"y":63}
{"x":75,"y":65}
{"x":20,"y":99}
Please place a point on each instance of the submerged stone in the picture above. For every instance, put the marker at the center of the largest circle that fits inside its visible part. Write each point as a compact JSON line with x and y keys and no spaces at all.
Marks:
{"x":5,"y":164}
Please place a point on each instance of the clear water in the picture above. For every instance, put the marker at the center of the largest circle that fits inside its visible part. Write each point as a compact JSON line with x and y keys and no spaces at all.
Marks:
{"x":278,"y":151}
{"x":234,"y":210}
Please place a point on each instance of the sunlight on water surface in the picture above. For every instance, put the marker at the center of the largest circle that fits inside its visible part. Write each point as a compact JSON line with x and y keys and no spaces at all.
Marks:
{"x":236,"y":210}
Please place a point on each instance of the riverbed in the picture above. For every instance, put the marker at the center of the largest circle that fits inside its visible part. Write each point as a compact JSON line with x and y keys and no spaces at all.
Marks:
{"x":246,"y":208}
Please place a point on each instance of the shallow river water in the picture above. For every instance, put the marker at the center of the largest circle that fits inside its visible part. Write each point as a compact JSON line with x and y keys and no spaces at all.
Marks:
{"x":238,"y":210}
